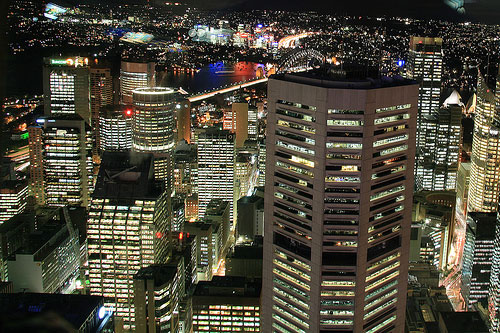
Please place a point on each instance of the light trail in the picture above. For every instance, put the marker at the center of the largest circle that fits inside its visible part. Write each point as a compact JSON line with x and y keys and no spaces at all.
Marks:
{"x":291,"y":40}
{"x":226,"y":90}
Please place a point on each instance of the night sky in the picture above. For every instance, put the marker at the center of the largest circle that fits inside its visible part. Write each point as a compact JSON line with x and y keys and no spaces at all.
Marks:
{"x":486,"y":11}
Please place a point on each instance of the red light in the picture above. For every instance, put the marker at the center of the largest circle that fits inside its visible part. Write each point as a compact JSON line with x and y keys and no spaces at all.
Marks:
{"x":181,"y":235}
{"x":159,"y":234}
{"x":128,"y":112}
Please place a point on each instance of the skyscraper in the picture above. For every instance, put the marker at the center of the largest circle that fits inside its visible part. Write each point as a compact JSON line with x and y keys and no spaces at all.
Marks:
{"x":128,"y":228}
{"x":425,"y":62}
{"x":66,"y":87}
{"x":478,"y":253}
{"x":60,"y":153}
{"x":441,"y":146}
{"x":135,"y":75}
{"x":13,"y":194}
{"x":115,"y":127}
{"x":215,"y":168}
{"x":153,"y":127}
{"x":339,"y":185}
{"x":183,"y":109}
{"x":101,"y":94}
{"x":484,"y":187}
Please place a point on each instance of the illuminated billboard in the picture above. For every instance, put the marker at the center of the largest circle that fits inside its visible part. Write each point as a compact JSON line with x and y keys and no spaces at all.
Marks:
{"x":53,"y":11}
{"x":137,"y":37}
{"x":71,"y":62}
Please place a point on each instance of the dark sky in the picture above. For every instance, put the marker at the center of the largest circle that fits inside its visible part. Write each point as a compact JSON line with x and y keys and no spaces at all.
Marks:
{"x":486,"y":11}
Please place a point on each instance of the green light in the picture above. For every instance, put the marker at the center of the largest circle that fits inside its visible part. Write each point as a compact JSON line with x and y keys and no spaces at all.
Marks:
{"x":24,"y":136}
{"x":87,"y":281}
{"x":58,"y":61}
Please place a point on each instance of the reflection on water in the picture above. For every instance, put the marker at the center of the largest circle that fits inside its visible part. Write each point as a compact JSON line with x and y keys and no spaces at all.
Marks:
{"x":212,"y":76}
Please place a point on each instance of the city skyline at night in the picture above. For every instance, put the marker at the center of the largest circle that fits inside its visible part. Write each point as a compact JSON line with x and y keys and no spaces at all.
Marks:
{"x":250,"y":166}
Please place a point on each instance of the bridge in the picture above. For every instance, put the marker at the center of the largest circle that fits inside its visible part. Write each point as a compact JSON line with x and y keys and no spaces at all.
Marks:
{"x":291,"y":41}
{"x":297,"y":60}
{"x":240,"y":85}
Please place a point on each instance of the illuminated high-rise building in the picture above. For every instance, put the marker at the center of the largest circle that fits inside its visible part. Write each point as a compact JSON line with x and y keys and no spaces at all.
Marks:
{"x":185,"y":172}
{"x":157,"y":292}
{"x":252,"y":123}
{"x":484,"y":186}
{"x":425,"y":65}
{"x":236,"y":121}
{"x":101,"y":94}
{"x":441,"y":146}
{"x":60,"y":153}
{"x":13,"y":195}
{"x":153,"y":127}
{"x":338,"y":198}
{"x":66,"y":87}
{"x":183,"y":112}
{"x":115,"y":128}
{"x":35,"y":142}
{"x":204,"y":250}
{"x":215,"y":168}
{"x":227,"y":303}
{"x":135,"y":75}
{"x":128,"y":228}
{"x":477,"y":256}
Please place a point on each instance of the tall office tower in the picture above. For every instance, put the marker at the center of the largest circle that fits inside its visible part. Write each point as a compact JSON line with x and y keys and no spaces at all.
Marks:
{"x":204,"y":248}
{"x":60,"y":153}
{"x":115,"y":128}
{"x":485,"y":159}
{"x":101,"y":94}
{"x":262,"y":163}
{"x":236,"y":121}
{"x":441,"y":146}
{"x":252,"y":123}
{"x":128,"y":228}
{"x":463,"y":180}
{"x":185,"y":169}
{"x":66,"y":87}
{"x":35,"y":142}
{"x":218,"y":214}
{"x":183,"y":111}
{"x":13,"y":198}
{"x":135,"y":75}
{"x":339,"y":187}
{"x":153,"y":127}
{"x":478,"y":253}
{"x":215,"y":168}
{"x":425,"y":62}
{"x":157,"y":292}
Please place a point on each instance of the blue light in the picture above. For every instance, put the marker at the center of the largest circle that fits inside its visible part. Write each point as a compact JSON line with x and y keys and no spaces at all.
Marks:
{"x":102,"y":312}
{"x":401,"y":63}
{"x":259,"y":26}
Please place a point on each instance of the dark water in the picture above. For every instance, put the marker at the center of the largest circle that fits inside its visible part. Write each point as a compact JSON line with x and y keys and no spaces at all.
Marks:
{"x":212,"y":76}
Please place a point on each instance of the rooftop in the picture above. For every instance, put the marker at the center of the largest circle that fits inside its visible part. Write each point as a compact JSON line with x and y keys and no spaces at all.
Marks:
{"x":126,"y":175}
{"x":76,"y":309}
{"x":463,"y":322}
{"x":159,"y":273}
{"x":350,"y":77}
{"x":229,"y":286}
